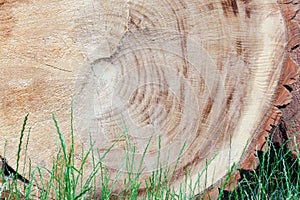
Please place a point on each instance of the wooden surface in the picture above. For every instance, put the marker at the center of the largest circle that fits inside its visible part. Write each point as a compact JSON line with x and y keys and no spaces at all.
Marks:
{"x":201,"y":73}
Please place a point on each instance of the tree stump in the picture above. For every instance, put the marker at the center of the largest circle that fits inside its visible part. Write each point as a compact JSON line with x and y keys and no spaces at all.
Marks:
{"x":201,"y":79}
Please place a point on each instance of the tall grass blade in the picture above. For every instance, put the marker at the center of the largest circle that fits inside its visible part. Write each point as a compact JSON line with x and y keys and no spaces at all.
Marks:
{"x":20,"y":143}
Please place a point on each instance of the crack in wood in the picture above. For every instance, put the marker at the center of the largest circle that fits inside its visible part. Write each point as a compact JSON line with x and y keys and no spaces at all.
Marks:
{"x":60,"y":69}
{"x":9,"y":172}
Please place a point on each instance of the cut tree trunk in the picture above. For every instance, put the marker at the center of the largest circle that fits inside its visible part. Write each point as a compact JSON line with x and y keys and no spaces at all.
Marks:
{"x":196,"y":79}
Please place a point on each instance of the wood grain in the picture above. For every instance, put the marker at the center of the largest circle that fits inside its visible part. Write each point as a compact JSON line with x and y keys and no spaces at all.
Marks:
{"x":204,"y":74}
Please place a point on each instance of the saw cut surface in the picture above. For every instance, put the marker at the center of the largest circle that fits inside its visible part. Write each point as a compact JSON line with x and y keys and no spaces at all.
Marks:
{"x":182,"y":77}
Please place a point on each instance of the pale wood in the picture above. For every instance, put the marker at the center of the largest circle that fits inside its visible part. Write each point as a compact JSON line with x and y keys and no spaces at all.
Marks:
{"x":204,"y":73}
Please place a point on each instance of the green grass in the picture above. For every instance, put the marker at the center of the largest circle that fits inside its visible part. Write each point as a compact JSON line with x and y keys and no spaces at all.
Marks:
{"x":277,"y":176}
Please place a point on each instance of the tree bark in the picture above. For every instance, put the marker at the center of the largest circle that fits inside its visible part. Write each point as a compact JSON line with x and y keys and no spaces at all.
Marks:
{"x":287,"y":132}
{"x":204,"y":80}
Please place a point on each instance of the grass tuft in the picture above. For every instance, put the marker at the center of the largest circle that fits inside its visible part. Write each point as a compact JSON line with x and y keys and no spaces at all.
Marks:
{"x":277,"y":176}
